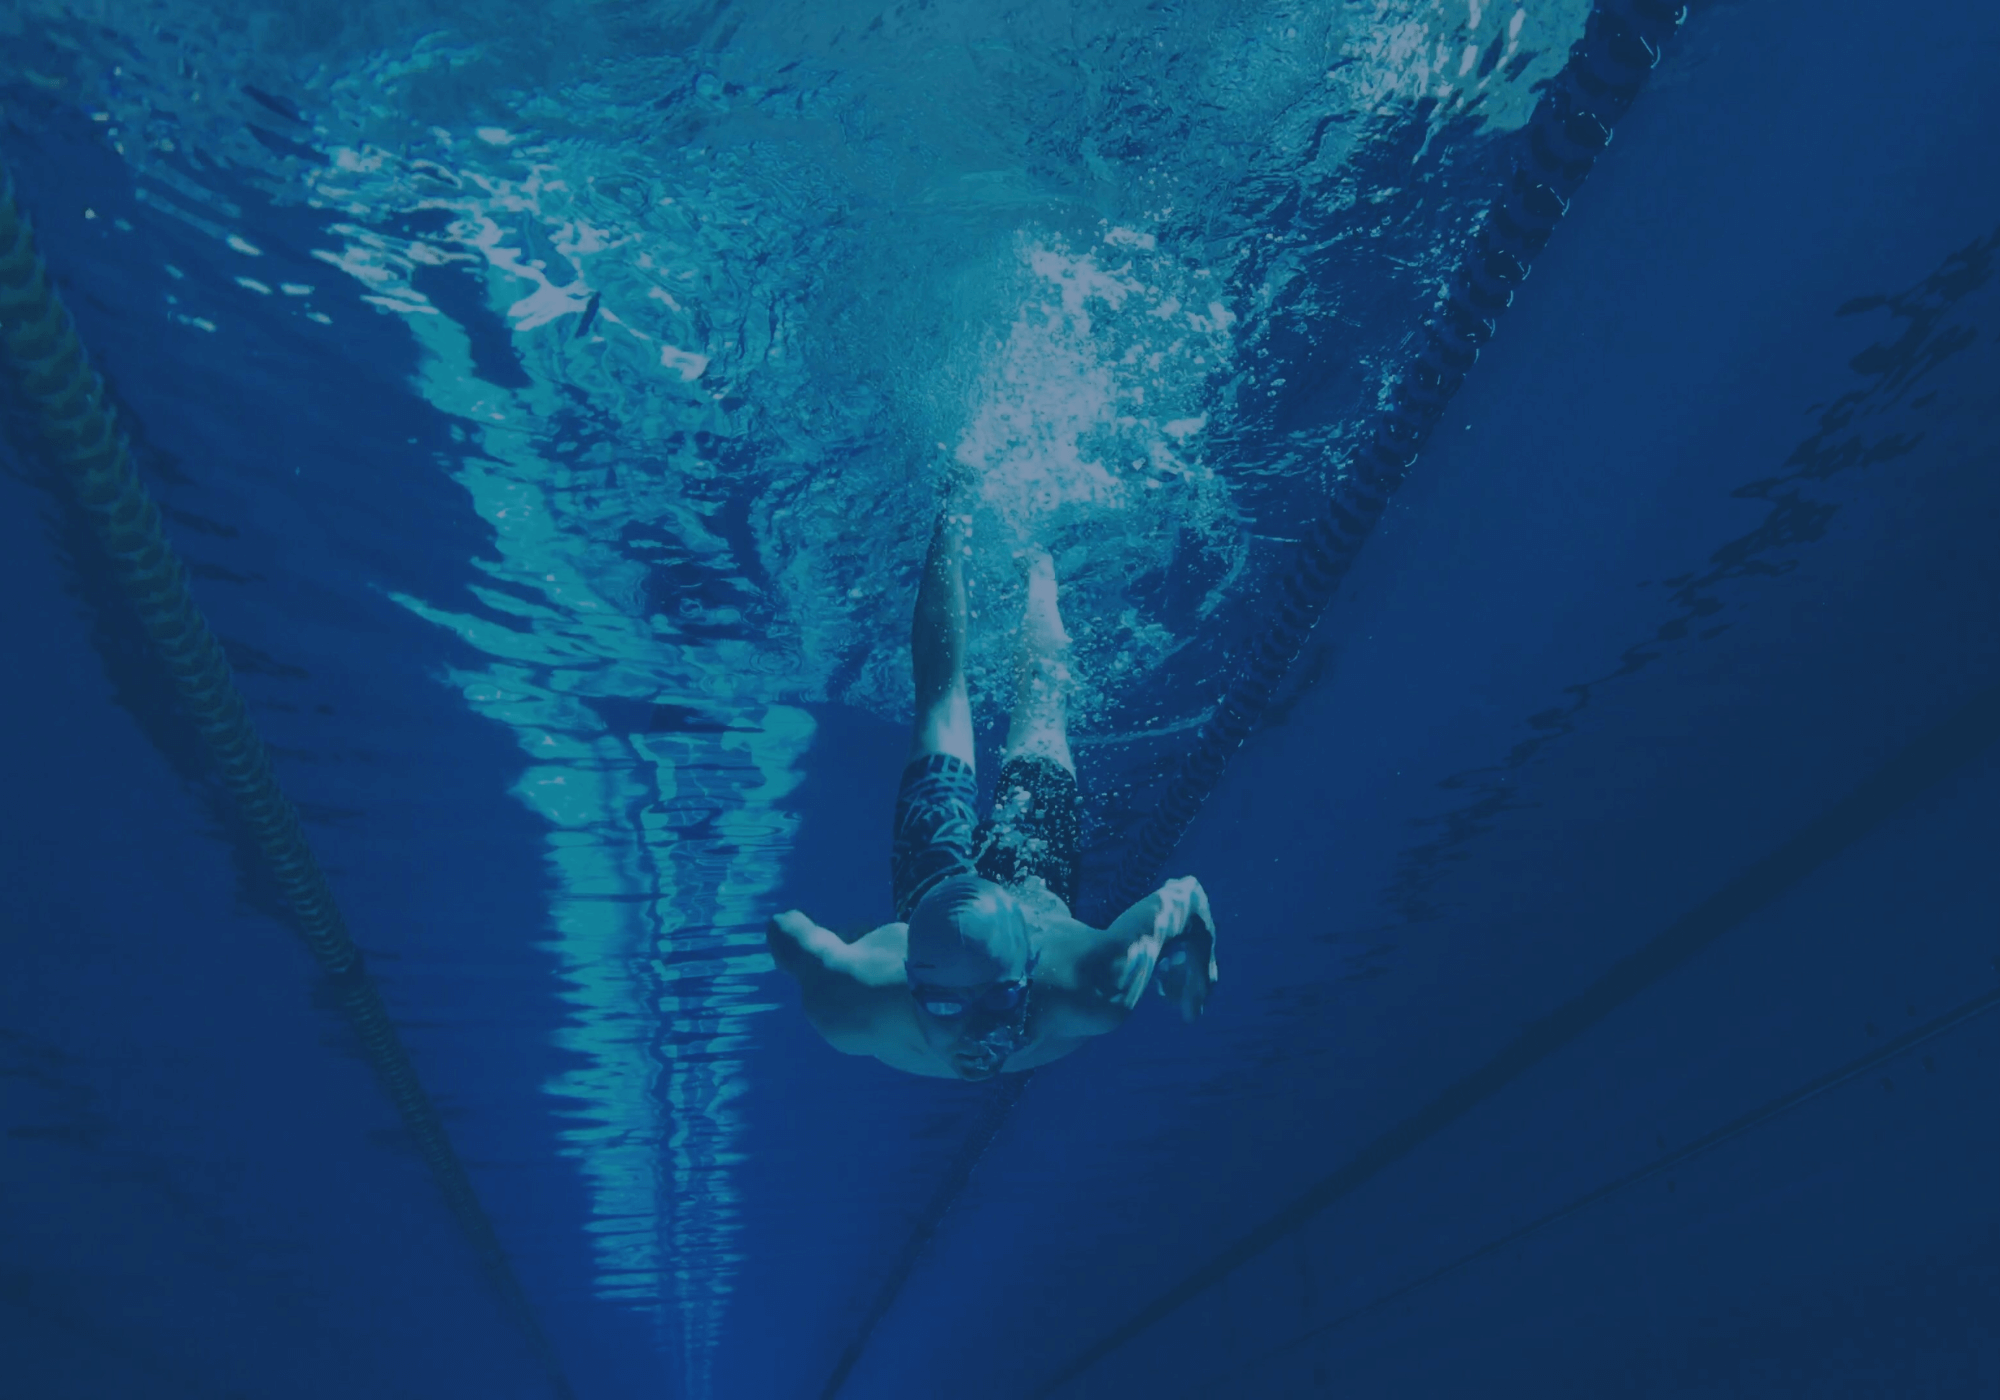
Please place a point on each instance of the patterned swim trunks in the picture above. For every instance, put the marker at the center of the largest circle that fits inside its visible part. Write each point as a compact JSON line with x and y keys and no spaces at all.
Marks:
{"x":1032,"y":830}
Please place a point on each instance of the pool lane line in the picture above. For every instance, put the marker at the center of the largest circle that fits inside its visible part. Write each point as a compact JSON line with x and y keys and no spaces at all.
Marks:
{"x":47,"y":368}
{"x":949,"y":1186}
{"x":1622,"y":41}
{"x":1734,"y":1128}
{"x":1957,"y":741}
{"x":1571,"y":126}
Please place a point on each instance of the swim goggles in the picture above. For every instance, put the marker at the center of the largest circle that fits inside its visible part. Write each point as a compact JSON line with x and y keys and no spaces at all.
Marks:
{"x":996,"y":998}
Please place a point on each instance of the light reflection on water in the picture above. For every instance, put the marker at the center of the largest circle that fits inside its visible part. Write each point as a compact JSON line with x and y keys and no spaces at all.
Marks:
{"x":752,"y":282}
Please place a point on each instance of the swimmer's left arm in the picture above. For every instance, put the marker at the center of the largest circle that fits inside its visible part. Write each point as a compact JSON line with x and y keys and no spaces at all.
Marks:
{"x":1173,"y":923}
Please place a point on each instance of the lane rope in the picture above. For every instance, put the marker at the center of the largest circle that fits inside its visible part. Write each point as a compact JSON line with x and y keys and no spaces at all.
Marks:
{"x":1622,"y":41}
{"x":1740,"y":1126}
{"x":1949,"y":747}
{"x":1571,"y":126}
{"x":50,"y":374}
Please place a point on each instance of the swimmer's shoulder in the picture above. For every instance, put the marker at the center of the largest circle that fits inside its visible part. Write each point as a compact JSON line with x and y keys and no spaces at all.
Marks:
{"x":1076,"y":980}
{"x":844,"y":983}
{"x":861,"y":1002}
{"x":875,"y":959}
{"x":888,"y":1027}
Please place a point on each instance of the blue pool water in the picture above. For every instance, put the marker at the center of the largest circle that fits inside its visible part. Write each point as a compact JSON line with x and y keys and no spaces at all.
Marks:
{"x":550,"y":403}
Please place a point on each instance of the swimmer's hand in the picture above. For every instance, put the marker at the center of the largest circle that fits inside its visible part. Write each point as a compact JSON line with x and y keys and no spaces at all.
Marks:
{"x":1187,"y":968}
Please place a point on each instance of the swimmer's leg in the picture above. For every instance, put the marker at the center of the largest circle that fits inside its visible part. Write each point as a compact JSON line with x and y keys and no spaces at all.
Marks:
{"x":1038,"y":726}
{"x":937,"y":644}
{"x":1031,"y":838}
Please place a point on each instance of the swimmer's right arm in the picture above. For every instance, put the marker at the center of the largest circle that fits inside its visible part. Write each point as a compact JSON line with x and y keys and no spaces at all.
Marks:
{"x":800,"y":946}
{"x":847,"y":988}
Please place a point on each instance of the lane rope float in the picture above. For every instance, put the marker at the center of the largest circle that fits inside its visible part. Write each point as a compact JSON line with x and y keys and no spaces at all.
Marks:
{"x":50,"y":373}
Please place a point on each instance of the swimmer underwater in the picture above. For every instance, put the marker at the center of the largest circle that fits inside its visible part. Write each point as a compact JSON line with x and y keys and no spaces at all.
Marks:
{"x":985,"y":971}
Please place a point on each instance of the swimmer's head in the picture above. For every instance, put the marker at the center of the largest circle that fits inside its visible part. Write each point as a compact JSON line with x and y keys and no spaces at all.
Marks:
{"x":968,"y":931}
{"x":968,"y":966}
